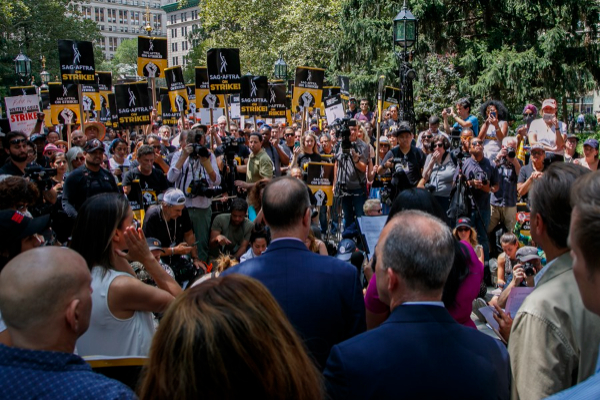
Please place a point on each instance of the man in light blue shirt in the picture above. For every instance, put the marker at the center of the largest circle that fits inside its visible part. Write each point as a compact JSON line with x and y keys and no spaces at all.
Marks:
{"x":462,"y":117}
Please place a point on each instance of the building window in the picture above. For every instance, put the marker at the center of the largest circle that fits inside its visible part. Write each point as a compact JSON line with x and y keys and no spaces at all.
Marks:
{"x":183,"y":16}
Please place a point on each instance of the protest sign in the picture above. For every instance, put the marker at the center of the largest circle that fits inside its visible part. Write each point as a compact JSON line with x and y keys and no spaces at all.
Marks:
{"x":22,"y":112}
{"x":191,"y":94}
{"x":177,"y":89}
{"x":253,"y":98}
{"x":114,"y":114}
{"x":224,"y":74}
{"x":308,"y":88}
{"x":133,"y":104}
{"x":22,"y":90}
{"x":76,"y":61}
{"x":104,"y":89}
{"x":320,"y":181}
{"x":45,"y":102}
{"x":277,"y":101}
{"x":334,"y":108}
{"x":168,"y":115}
{"x":91,"y":97}
{"x":152,"y":57}
{"x":344,"y":87}
{"x":64,"y":103}
{"x":391,"y":95}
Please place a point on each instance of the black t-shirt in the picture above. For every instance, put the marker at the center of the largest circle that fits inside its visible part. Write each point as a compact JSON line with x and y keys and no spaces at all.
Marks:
{"x":82,"y":184}
{"x":524,"y":174}
{"x":148,"y":189}
{"x":411,"y":163}
{"x":11,"y":169}
{"x":168,"y":233}
{"x":306,"y":158}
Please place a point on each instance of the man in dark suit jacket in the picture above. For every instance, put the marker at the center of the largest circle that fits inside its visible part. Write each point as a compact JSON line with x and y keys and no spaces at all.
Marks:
{"x":320,"y":295}
{"x":420,"y":352}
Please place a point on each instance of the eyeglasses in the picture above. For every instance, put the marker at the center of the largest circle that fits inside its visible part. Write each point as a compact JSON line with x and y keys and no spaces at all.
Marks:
{"x":537,"y":153}
{"x":476,"y":143}
{"x":17,"y":141}
{"x":463,"y":229}
{"x":427,"y":136}
{"x":435,"y":146}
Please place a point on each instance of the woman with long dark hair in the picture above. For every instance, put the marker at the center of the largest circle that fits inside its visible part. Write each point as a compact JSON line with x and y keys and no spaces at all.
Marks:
{"x":121,"y":323}
{"x":457,"y":290}
{"x":227,"y":338}
{"x":495,"y":127}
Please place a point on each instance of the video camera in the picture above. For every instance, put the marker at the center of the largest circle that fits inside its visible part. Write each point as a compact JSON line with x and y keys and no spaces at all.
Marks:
{"x":200,"y":187}
{"x":41,"y":176}
{"x":230,"y":146}
{"x":342,"y":128}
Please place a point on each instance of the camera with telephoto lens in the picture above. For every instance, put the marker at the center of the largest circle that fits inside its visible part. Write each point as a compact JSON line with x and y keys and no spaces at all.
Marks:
{"x":200,"y":187}
{"x":511,"y":152}
{"x":230,"y":145}
{"x":529,"y":269}
{"x":342,"y":128}
{"x":41,"y":176}
{"x":199,"y":151}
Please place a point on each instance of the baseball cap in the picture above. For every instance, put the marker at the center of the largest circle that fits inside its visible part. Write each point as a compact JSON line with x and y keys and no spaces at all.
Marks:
{"x":591,"y":142}
{"x":549,"y":103}
{"x":154,"y":244}
{"x":174,"y":197}
{"x":384,"y":140}
{"x":345,"y":249}
{"x":260,"y":122}
{"x":464,"y":221}
{"x":572,"y":136}
{"x":352,"y":98}
{"x":527,"y":253}
{"x":538,"y":146}
{"x":37,"y":136}
{"x":15,"y":225}
{"x":93,"y":145}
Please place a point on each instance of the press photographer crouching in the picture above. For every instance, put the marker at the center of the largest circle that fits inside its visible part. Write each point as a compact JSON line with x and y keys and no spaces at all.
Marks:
{"x":170,"y":223}
{"x":352,"y":159}
{"x":523,"y":274}
{"x":195,"y":172}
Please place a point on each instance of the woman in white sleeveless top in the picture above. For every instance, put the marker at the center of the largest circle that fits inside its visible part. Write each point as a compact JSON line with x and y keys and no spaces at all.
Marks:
{"x":121,"y":323}
{"x":495,"y":127}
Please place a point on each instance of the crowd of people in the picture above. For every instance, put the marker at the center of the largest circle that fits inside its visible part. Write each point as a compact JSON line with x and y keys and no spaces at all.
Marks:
{"x":203,"y":249}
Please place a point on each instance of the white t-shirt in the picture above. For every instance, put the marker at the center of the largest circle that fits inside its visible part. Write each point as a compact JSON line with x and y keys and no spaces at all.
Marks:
{"x":546,"y":135}
{"x":491,"y":144}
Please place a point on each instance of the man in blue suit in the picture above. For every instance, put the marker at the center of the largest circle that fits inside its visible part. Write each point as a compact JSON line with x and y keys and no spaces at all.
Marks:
{"x":320,"y":295}
{"x":420,"y":352}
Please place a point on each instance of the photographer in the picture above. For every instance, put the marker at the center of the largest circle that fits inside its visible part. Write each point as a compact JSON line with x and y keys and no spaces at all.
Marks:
{"x":194,"y":170}
{"x":504,"y":200}
{"x":352,"y":159}
{"x":406,"y":161}
{"x":87,"y":181}
{"x":523,"y":274}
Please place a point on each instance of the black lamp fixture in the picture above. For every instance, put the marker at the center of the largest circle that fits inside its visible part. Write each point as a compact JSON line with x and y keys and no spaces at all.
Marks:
{"x":405,"y":28}
{"x":280,"y":68}
{"x":22,"y":66}
{"x":44,"y":75}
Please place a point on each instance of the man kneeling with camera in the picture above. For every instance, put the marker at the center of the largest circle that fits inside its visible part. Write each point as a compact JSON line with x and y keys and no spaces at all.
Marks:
{"x":523,"y":273}
{"x":195,"y":172}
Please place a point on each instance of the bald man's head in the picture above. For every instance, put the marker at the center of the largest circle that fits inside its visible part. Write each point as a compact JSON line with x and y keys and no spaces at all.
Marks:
{"x":38,"y":286}
{"x":284,"y":203}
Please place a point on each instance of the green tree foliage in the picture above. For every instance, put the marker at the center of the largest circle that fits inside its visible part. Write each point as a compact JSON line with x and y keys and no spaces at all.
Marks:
{"x":124,"y":61}
{"x":514,"y":50}
{"x":302,"y":30}
{"x":36,"y":26}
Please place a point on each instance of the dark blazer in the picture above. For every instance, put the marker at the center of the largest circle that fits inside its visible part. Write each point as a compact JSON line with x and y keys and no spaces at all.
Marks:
{"x":420,"y":352}
{"x":320,"y":295}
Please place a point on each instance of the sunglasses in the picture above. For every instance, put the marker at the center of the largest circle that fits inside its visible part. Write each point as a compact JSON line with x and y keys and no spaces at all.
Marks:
{"x":435,"y":146}
{"x":537,"y":153}
{"x":527,"y":114}
{"x":80,"y":158}
{"x":476,"y":142}
{"x":17,"y":141}
{"x":156,"y":147}
{"x":427,"y":136}
{"x":289,"y":134}
{"x":463,"y":229}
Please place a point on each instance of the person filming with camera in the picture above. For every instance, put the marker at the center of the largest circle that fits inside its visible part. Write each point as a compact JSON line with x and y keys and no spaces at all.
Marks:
{"x":523,"y":274}
{"x":194,"y":171}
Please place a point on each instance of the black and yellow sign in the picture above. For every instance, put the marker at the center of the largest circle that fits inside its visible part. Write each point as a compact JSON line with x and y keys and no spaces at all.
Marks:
{"x":152,"y":57}
{"x":45,"y":102}
{"x":391,"y":96}
{"x":177,"y":89}
{"x":344,"y":87}
{"x":204,"y":98}
{"x":104,"y":88}
{"x":76,"y":62}
{"x":22,"y":90}
{"x":91,"y":97}
{"x":114,"y":114}
{"x":64,"y":103}
{"x":329,"y":91}
{"x":320,"y":181}
{"x":191,"y":94}
{"x":224,"y":76}
{"x":254,"y":97}
{"x":277,"y":100}
{"x":133,"y":104}
{"x":308,"y":88}
{"x":168,"y":116}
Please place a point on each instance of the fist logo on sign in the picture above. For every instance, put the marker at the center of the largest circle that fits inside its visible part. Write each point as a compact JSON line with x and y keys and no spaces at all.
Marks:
{"x":151,"y":68}
{"x":67,"y":116}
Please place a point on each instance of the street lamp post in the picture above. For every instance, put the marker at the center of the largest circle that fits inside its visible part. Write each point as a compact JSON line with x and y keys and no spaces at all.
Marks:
{"x":44,"y":75}
{"x":280,"y":71}
{"x":405,"y":37}
{"x":22,"y":66}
